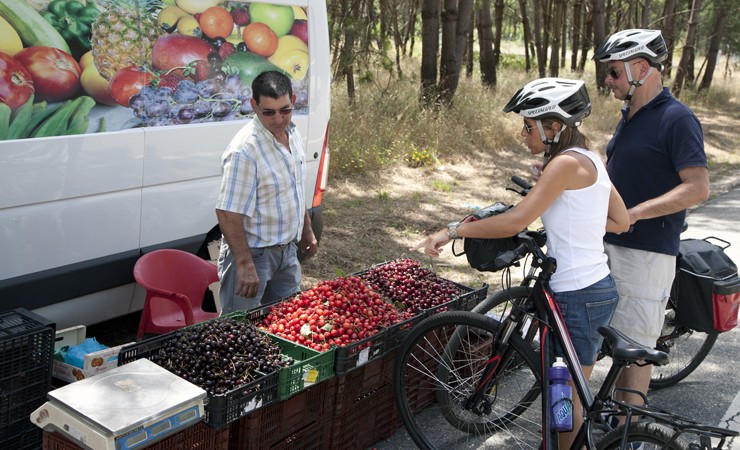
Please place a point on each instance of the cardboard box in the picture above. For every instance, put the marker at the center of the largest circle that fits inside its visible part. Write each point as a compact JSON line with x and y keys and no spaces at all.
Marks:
{"x":95,"y":363}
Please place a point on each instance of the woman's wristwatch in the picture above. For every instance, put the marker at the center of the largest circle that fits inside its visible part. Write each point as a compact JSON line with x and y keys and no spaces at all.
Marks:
{"x":452,"y":230}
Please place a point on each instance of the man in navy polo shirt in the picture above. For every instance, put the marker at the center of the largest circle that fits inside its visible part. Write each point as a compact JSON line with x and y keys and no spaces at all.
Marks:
{"x":656,"y":161}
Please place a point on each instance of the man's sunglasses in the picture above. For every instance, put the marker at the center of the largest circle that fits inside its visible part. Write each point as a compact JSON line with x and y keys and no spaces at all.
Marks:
{"x":614,"y":74}
{"x":272,"y":112}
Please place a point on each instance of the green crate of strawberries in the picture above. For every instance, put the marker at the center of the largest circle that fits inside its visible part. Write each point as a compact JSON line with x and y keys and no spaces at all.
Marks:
{"x":361,"y":315}
{"x":342,"y":315}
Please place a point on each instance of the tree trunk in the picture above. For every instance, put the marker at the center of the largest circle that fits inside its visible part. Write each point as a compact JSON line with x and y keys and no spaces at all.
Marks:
{"x":557,"y":19}
{"x":449,"y":64}
{"x":564,"y":39}
{"x":485,"y":42}
{"x":397,"y":39}
{"x":669,"y":34}
{"x":576,"y":36}
{"x":645,"y":20}
{"x":537,"y":32}
{"x":588,"y":31}
{"x":498,"y":20}
{"x":527,"y":35}
{"x":429,"y":51}
{"x":546,"y":6}
{"x":470,"y":49}
{"x":688,"y":49}
{"x":463,"y":29}
{"x":599,"y":36}
{"x":720,"y":17}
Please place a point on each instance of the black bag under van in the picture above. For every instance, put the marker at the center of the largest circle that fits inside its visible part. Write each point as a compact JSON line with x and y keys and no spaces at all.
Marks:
{"x":708,"y":287}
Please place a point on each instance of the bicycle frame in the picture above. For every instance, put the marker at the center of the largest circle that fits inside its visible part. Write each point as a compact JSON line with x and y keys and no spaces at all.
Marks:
{"x":549,"y":321}
{"x":553,"y":323}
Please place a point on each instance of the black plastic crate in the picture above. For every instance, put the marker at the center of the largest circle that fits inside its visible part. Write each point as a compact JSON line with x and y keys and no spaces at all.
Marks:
{"x":27,"y":349}
{"x":358,"y":353}
{"x":220,"y":409}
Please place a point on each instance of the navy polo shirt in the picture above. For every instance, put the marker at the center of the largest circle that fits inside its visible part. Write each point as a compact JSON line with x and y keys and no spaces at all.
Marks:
{"x":643,"y":160}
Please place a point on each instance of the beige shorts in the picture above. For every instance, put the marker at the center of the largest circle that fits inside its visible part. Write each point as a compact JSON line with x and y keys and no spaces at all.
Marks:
{"x":643,"y":282}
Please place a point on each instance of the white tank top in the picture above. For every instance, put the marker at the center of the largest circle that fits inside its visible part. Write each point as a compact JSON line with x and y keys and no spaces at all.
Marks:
{"x":575,"y":225}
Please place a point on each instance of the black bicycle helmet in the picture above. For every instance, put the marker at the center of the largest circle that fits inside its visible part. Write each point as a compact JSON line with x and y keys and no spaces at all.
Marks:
{"x":631,"y":44}
{"x":560,"y":98}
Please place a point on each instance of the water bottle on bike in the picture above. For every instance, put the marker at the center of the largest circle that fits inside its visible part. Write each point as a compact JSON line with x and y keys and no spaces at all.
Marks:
{"x":561,"y":397}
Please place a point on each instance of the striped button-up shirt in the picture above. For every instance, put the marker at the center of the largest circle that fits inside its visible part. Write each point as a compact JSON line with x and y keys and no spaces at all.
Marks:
{"x":263,"y":181}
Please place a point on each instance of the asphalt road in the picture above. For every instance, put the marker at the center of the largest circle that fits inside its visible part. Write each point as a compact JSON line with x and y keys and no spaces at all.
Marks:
{"x":711,"y":394}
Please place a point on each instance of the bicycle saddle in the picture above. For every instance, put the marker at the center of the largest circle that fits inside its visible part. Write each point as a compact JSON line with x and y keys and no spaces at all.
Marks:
{"x":622,"y":347}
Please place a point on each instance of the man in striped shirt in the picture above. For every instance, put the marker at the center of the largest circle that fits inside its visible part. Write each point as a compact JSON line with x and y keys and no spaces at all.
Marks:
{"x":261,"y":205}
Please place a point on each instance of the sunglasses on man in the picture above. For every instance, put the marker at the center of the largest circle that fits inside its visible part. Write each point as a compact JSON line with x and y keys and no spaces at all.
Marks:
{"x":271,"y":112}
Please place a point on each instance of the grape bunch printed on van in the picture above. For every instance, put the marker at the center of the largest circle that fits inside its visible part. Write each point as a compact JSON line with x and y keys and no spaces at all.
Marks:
{"x":156,"y":62}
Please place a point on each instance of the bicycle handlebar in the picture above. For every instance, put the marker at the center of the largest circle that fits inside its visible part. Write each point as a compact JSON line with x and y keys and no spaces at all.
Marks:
{"x":529,"y":242}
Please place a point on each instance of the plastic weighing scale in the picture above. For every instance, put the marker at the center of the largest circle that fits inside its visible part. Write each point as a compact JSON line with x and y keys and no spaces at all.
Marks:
{"x":128,"y":407}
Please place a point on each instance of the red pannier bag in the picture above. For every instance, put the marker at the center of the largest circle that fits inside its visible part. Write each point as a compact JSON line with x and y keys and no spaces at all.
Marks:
{"x":708,"y":297}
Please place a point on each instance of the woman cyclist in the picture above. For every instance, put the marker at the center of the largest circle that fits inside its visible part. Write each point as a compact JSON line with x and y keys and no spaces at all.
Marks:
{"x":577,"y":204}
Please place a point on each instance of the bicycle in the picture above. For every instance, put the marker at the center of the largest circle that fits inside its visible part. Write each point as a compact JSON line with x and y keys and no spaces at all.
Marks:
{"x":463,"y":378}
{"x":686,"y":347}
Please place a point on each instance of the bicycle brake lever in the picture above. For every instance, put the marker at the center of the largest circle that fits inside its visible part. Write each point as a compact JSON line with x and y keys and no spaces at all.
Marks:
{"x":520,"y":192}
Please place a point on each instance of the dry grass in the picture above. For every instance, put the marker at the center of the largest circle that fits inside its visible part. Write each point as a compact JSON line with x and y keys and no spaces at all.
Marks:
{"x":377,"y":206}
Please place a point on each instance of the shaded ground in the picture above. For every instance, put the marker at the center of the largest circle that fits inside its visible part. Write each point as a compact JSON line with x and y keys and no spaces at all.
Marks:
{"x":376,"y":218}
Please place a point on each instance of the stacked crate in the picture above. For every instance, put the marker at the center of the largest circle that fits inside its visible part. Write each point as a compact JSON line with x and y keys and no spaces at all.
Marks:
{"x":27,"y":349}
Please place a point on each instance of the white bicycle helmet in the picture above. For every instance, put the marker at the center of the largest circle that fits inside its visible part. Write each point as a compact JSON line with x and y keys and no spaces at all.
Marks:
{"x":560,"y":98}
{"x":635,"y":43}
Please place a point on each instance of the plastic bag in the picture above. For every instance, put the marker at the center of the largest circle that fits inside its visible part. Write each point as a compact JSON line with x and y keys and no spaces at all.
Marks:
{"x":75,"y":355}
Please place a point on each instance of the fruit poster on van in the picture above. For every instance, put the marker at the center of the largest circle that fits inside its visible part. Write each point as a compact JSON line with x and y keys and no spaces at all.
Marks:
{"x":86,"y":66}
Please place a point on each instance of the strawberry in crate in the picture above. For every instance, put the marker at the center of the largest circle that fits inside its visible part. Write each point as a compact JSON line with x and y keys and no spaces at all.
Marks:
{"x":335,"y":312}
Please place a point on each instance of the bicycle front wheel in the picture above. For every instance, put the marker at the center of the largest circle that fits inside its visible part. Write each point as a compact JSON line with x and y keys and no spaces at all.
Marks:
{"x":499,"y":304}
{"x":437,"y":369}
{"x":686,"y":349}
{"x":643,"y":436}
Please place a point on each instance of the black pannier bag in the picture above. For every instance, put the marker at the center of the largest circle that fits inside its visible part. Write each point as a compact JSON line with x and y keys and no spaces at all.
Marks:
{"x":708,"y":287}
{"x":482,"y":253}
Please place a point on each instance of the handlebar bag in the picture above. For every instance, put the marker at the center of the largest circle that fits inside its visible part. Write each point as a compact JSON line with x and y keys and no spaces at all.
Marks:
{"x":708,"y":297}
{"x":482,"y":254}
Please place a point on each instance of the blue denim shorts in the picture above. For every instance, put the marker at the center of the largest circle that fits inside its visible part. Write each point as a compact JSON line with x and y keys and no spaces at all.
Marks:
{"x":584,"y":311}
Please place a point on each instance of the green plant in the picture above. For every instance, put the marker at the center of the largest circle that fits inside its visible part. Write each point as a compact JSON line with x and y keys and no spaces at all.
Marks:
{"x":420,"y":157}
{"x":384,"y":195}
{"x":443,"y":186}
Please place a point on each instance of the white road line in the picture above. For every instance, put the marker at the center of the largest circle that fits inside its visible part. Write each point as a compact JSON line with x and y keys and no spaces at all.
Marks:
{"x":731,"y":420}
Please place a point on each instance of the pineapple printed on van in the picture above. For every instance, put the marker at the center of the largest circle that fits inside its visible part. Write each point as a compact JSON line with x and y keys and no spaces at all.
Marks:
{"x":85,"y":66}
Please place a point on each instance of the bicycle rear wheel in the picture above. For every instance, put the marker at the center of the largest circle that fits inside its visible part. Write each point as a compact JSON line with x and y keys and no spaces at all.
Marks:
{"x":643,"y":436}
{"x":686,"y":348}
{"x":437,"y":369}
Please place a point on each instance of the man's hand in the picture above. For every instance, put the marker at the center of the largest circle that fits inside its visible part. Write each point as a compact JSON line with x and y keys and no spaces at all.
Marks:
{"x":308,"y":246}
{"x":247,"y":281}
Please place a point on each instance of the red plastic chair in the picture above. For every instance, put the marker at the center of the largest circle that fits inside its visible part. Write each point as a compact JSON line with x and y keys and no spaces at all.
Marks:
{"x":175,"y":283}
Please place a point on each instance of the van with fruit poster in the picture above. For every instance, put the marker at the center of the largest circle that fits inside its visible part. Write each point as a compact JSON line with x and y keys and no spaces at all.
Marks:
{"x":113,"y":118}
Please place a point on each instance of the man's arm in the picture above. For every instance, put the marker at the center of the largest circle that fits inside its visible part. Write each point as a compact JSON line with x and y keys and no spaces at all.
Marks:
{"x":307,"y":246}
{"x":232,"y":227}
{"x":694,"y":189}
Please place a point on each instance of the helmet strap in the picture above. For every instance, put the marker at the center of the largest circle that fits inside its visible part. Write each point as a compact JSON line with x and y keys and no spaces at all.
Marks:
{"x":545,"y":140}
{"x":634,"y":83}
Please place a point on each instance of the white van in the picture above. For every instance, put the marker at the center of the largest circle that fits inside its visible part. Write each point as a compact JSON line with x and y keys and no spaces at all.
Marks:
{"x":77,"y":211}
